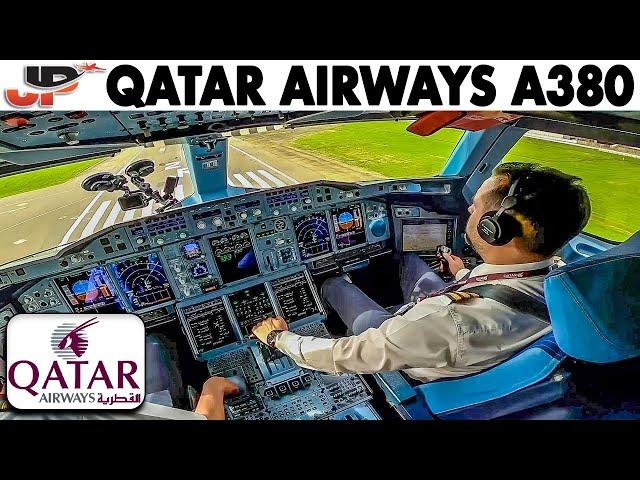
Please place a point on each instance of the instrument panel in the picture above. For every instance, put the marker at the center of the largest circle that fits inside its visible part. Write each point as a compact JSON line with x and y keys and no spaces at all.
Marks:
{"x":160,"y":261}
{"x":220,"y":267}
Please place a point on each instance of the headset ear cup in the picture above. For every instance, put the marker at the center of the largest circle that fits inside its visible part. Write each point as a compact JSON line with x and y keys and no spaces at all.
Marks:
{"x":489,"y":229}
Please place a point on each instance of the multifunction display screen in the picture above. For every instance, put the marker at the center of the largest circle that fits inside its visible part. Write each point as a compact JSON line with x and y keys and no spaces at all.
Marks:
{"x":143,"y":280}
{"x":234,"y":256}
{"x":90,"y":292}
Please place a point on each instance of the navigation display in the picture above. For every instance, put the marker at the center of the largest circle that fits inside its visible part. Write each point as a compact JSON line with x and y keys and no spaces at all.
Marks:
{"x":348,"y":226}
{"x":208,"y":325}
{"x":143,"y":281}
{"x":312,"y":234}
{"x":234,"y":256}
{"x":425,"y":236}
{"x":295,"y":297}
{"x":90,"y":292}
{"x":250,"y":306}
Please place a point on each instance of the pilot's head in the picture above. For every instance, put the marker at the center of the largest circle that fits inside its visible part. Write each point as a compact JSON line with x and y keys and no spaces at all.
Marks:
{"x":550,"y":208}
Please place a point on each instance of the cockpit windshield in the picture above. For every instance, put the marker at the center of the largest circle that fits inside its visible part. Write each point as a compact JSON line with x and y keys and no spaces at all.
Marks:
{"x":43,"y":210}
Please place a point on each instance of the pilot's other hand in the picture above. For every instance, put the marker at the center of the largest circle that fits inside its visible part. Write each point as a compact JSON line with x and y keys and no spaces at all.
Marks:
{"x":263,"y":328}
{"x":455,"y":263}
{"x":210,"y":403}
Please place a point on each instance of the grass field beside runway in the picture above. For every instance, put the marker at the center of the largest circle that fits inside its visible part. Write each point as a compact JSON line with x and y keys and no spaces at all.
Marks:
{"x":383,"y":147}
{"x":613,"y":180}
{"x":46,"y":177}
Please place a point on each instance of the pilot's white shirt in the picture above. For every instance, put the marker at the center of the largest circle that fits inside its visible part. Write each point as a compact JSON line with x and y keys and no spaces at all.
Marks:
{"x":436,"y":338}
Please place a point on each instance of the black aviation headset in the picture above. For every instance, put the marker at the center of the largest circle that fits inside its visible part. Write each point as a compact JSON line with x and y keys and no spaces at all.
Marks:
{"x":494,"y":227}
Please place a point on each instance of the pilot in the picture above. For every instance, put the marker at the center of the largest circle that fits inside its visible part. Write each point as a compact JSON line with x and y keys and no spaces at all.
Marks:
{"x":441,"y":331}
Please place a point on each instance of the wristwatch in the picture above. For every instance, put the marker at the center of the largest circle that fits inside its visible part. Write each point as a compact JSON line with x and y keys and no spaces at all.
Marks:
{"x":272,"y":337}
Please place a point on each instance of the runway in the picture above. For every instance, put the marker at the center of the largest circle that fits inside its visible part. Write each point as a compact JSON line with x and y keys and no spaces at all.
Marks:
{"x":48,"y":218}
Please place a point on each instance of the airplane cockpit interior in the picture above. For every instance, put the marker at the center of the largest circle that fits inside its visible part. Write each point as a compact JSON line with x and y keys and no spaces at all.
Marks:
{"x":202,"y":269}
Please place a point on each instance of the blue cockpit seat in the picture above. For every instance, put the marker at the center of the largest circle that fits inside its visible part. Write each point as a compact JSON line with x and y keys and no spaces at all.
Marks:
{"x":585,"y":368}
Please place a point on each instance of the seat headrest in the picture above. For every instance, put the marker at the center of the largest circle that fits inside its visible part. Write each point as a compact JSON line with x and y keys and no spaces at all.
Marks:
{"x":594,"y":304}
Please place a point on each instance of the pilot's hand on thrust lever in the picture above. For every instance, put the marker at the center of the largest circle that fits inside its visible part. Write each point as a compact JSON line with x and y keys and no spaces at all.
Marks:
{"x":210,"y":403}
{"x":455,"y":263}
{"x":263,"y":328}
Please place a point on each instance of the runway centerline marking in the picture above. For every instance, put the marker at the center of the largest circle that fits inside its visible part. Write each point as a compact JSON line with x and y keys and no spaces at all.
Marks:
{"x":253,"y":157}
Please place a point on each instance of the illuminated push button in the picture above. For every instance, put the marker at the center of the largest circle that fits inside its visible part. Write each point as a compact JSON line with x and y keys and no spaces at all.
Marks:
{"x":139,"y":240}
{"x":183,"y":235}
{"x":160,"y":241}
{"x":201,"y":225}
{"x":276,"y":212}
{"x":307,"y":201}
{"x":217,"y":222}
{"x":257,"y":212}
{"x":243,"y":215}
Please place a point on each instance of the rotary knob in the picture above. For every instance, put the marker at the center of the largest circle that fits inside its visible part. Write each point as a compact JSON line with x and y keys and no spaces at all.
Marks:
{"x":294,"y":208}
{"x":257,"y":212}
{"x":217,"y":222}
{"x":307,"y":201}
{"x":201,"y":225}
{"x":243,"y":215}
{"x":276,"y":212}
{"x":140,"y":240}
{"x":183,"y":235}
{"x":160,"y":241}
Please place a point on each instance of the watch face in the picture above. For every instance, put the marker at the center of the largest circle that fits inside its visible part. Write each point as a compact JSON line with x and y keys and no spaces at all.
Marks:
{"x":271,"y":338}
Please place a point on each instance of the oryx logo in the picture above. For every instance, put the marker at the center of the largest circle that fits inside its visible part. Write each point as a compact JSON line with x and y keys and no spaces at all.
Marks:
{"x":49,"y":81}
{"x":70,"y":340}
{"x":75,"y":361}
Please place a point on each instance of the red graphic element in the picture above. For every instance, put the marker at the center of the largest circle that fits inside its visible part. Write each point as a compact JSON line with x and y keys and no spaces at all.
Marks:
{"x":431,"y":122}
{"x":15,"y":120}
{"x":16,"y":99}
{"x":89,"y":67}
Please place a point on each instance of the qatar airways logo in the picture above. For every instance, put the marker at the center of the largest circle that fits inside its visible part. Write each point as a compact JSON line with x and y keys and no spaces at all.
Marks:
{"x":75,"y":361}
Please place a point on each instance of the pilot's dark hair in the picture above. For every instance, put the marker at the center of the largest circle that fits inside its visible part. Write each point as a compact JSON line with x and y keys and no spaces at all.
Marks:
{"x":555,"y":204}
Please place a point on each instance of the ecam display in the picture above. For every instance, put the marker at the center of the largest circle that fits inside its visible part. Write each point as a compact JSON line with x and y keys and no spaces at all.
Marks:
{"x":234,"y":256}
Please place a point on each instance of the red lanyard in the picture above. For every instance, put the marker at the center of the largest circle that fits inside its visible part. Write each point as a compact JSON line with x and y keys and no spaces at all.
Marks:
{"x":493,"y":276}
